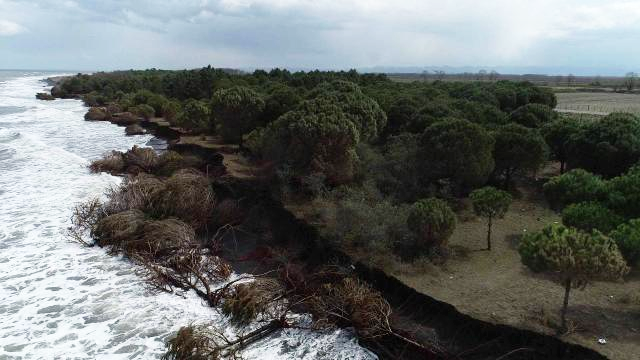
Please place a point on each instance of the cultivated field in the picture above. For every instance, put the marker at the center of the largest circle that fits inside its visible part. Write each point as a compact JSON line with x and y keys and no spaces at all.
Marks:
{"x":598,"y":103}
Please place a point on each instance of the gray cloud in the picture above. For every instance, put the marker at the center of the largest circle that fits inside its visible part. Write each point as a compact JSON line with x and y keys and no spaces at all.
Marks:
{"x":108,"y":34}
{"x":10,"y":28}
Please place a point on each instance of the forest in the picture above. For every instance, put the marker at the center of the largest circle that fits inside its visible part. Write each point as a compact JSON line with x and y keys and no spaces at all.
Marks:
{"x":385,"y":167}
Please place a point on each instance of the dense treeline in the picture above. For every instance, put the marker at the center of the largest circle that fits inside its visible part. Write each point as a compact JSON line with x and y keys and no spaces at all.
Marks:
{"x":394,"y":160}
{"x":270,"y":111}
{"x":334,"y":134}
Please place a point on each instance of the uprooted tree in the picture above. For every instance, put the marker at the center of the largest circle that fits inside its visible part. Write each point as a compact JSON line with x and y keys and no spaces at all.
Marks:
{"x":143,"y":220}
{"x":573,"y":257}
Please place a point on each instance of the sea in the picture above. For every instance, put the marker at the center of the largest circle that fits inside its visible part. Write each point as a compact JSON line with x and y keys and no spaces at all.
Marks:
{"x":60,"y":300}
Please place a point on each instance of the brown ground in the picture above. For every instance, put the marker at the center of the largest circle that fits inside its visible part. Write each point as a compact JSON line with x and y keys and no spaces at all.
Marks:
{"x":495,"y":286}
{"x":237,"y":166}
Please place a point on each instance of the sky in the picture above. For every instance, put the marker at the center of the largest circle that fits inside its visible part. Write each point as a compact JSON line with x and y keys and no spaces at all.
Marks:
{"x":544,"y":36}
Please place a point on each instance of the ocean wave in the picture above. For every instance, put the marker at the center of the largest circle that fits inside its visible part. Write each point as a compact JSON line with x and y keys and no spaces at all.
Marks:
{"x":6,"y":154}
{"x":6,"y":110}
{"x":7,"y":136}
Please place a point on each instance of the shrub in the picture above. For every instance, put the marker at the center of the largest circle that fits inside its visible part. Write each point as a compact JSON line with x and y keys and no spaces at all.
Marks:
{"x":315,"y":139}
{"x":96,"y":113}
{"x":114,"y":108}
{"x":364,"y":112}
{"x":432,"y":221}
{"x":119,"y":230}
{"x":169,"y":162}
{"x":195,"y":116}
{"x":134,"y":129}
{"x":170,"y":111}
{"x":400,"y":114}
{"x":135,"y":193}
{"x":572,"y":187}
{"x":364,"y":219}
{"x":395,"y":170}
{"x":124,"y":118}
{"x":623,"y":193}
{"x":112,"y":163}
{"x":140,"y":159}
{"x":354,"y":303}
{"x":146,"y":160}
{"x":430,"y":113}
{"x":250,"y":300}
{"x":573,"y":257}
{"x":557,"y":134}
{"x":627,"y":237}
{"x":129,"y":232}
{"x":237,"y":111}
{"x":457,"y":149}
{"x":608,"y":147}
{"x":187,"y":195}
{"x":280,"y":101}
{"x":492,"y":204}
{"x":144,"y":110}
{"x":165,"y":234}
{"x":517,"y":149}
{"x":533,"y":115}
{"x":588,"y":216}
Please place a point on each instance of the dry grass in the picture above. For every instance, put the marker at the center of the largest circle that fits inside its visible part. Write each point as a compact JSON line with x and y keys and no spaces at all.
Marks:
{"x":193,"y":343}
{"x":112,"y":163}
{"x":139,"y":192}
{"x":165,"y":234}
{"x":134,"y":129}
{"x":352,"y":303}
{"x":120,"y":231}
{"x":138,"y":160}
{"x":129,"y":232}
{"x":187,"y":195}
{"x":169,"y":162}
{"x":124,"y":118}
{"x":141,"y":159}
{"x":250,"y":301}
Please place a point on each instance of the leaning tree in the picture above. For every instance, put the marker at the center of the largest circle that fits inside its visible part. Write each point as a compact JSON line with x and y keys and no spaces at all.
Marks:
{"x":573,"y":257}
{"x":490,"y":203}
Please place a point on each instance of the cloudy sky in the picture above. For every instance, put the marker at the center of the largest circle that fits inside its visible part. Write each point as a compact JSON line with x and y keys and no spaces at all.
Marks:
{"x":574,"y":35}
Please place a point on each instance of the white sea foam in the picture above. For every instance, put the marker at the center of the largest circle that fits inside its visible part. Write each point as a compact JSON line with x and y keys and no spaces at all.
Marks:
{"x":59,"y":300}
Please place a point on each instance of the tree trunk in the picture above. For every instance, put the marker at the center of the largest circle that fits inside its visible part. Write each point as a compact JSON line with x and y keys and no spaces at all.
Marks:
{"x":565,"y":304}
{"x":562,"y":166}
{"x":507,"y":178}
{"x":489,"y":233}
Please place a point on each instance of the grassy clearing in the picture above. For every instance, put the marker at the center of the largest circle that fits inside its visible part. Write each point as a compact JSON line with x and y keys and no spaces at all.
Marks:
{"x":496,"y":287}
